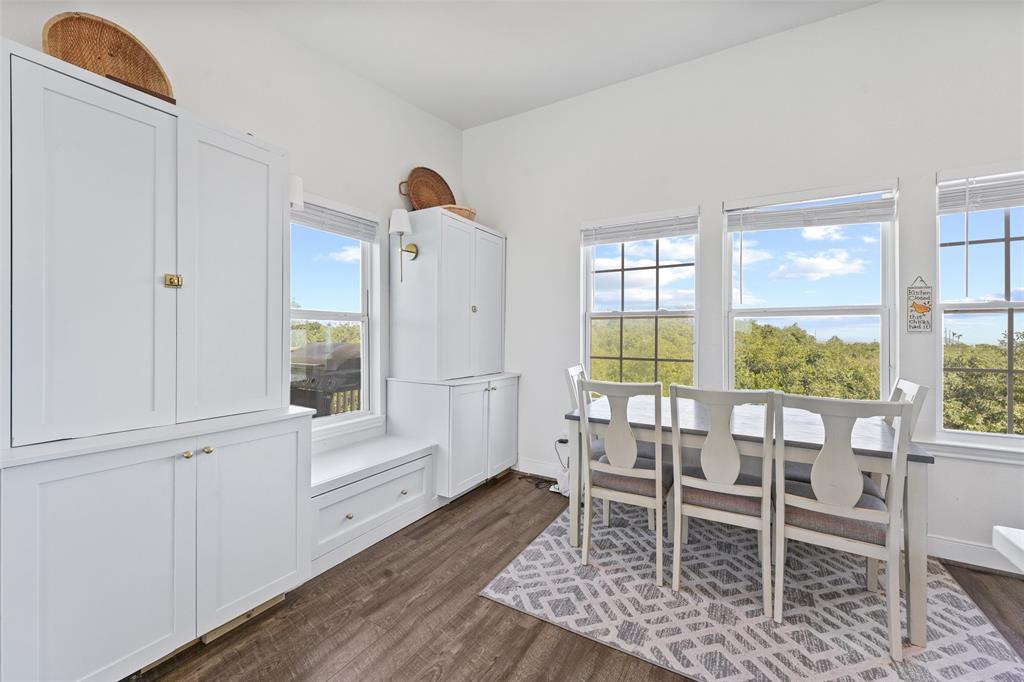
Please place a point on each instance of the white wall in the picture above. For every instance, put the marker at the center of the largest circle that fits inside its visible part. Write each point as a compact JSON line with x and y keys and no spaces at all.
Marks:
{"x":349,"y":139}
{"x":889,"y":91}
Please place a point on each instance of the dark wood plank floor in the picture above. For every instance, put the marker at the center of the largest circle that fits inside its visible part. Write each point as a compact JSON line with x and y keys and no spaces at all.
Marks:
{"x":408,"y":609}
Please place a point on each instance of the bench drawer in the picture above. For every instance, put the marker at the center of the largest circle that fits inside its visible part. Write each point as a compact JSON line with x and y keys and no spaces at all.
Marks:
{"x":346,"y":513}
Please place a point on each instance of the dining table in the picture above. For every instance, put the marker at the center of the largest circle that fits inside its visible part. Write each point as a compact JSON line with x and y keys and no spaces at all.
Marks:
{"x":872,"y":442}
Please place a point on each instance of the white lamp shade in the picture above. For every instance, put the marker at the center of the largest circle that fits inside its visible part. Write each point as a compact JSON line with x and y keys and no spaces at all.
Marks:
{"x":400,"y":222}
{"x":295,"y":194}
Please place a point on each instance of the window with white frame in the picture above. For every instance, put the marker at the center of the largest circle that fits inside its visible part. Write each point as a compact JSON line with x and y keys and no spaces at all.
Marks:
{"x":981,"y":294}
{"x":640,"y":302}
{"x":330,"y":291}
{"x":809,"y":309}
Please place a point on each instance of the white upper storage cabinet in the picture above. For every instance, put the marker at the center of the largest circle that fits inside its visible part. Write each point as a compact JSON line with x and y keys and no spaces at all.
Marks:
{"x":93,"y":221}
{"x":447,"y":306}
{"x":230,"y":256}
{"x":109,"y":196}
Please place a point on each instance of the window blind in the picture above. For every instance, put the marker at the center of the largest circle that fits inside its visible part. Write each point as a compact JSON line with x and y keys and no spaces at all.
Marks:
{"x":321,"y":218}
{"x":981,"y":193}
{"x":878,"y":207}
{"x":638,"y":230}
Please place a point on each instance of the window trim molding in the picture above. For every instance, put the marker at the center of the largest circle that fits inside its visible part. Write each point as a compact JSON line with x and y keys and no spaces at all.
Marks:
{"x":372,"y":376}
{"x":888,"y":332}
{"x":976,"y":439}
{"x":587,"y":282}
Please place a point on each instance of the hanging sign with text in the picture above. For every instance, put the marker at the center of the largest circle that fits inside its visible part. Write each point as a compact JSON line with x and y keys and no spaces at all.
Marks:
{"x":919,"y":307}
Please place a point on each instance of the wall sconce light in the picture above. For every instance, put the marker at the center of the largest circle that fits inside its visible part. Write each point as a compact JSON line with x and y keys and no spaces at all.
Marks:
{"x":401,"y":226}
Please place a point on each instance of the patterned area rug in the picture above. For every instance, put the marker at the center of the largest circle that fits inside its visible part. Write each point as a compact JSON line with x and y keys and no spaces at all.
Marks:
{"x":714,"y":628}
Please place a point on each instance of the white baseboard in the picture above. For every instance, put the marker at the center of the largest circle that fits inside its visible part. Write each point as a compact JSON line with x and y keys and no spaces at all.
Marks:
{"x":538,"y":467}
{"x":968,"y":552}
{"x":353,"y":547}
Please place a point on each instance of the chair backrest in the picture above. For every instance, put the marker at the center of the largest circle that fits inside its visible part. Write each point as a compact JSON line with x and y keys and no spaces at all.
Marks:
{"x":619,"y":439}
{"x":719,"y":455}
{"x":836,"y":477}
{"x":572,"y":378}
{"x":908,"y":391}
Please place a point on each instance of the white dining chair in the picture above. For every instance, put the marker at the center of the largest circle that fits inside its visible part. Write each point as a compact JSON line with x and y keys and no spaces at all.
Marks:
{"x":620,"y":474}
{"x":715,"y":489}
{"x":905,"y":391}
{"x":832,"y":510}
{"x":573,"y":375}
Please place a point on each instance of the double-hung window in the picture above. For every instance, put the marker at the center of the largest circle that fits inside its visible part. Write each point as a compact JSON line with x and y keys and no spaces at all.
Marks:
{"x":981,"y":264}
{"x":640,"y":277}
{"x":330,"y":291}
{"x":808,"y":313}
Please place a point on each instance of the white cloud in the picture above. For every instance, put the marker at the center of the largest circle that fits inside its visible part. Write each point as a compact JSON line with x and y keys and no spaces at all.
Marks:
{"x":748,"y":297}
{"x":751,"y":254}
{"x":831,"y":263}
{"x":676,"y":250}
{"x":820,"y":232}
{"x":349,"y":254}
{"x":870,"y":240}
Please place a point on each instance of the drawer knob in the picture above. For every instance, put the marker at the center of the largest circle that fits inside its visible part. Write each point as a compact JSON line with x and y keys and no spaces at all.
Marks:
{"x":187,"y":454}
{"x":350,"y":516}
{"x":207,"y":449}
{"x":405,"y":492}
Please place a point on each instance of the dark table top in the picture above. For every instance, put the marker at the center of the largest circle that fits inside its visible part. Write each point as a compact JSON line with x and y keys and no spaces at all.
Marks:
{"x":871,"y":437}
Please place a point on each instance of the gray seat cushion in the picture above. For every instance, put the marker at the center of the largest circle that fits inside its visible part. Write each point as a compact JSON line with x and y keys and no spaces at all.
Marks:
{"x":738,"y":504}
{"x":630,"y":484}
{"x":644,"y":449}
{"x":852,"y":529}
{"x":801,"y":473}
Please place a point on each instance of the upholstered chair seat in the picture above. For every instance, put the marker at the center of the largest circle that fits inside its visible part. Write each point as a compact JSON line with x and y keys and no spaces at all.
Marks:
{"x":852,"y":529}
{"x":710,"y":499}
{"x":631,"y":484}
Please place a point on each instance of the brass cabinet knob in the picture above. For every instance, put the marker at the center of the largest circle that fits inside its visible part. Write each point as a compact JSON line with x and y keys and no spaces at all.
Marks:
{"x":350,"y":516}
{"x":405,"y":492}
{"x":187,"y":454}
{"x":207,"y":449}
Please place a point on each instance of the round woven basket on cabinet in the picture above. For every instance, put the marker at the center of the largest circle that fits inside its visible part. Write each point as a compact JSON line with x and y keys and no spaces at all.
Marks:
{"x":103,"y":47}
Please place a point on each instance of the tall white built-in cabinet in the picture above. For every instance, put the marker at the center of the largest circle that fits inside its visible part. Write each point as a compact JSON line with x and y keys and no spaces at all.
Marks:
{"x":447,"y":349}
{"x":154,"y":483}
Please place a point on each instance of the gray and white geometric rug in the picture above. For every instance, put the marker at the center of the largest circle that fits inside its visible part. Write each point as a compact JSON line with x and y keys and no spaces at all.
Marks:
{"x":714,"y":627}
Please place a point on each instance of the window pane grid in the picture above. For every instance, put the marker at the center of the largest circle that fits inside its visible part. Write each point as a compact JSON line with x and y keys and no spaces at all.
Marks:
{"x":983,"y":380}
{"x":640,"y":320}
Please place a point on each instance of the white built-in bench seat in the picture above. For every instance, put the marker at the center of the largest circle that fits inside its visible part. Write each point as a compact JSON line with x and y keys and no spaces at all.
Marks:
{"x":365,"y":491}
{"x":1010,"y":543}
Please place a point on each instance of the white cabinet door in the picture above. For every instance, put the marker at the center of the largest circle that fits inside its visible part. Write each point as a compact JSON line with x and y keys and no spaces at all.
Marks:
{"x":502,"y":430}
{"x":487,"y":349}
{"x":93,"y":227}
{"x":98,"y":551}
{"x":231,"y":304}
{"x":455,"y":283}
{"x":467,"y":456}
{"x":253,"y":530}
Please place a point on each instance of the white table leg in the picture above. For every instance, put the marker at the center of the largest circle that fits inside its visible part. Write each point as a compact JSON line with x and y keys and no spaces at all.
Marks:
{"x":574,"y":484}
{"x":916,"y":537}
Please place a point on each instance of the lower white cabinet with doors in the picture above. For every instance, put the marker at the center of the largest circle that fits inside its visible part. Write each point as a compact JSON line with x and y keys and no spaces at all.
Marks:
{"x":473,"y":421}
{"x":115,"y":558}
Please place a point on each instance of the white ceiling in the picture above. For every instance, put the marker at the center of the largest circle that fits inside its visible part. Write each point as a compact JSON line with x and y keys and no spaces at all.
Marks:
{"x":474,"y":62}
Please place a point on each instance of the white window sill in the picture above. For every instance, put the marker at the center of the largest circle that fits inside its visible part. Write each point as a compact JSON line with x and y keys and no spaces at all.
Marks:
{"x":347,"y":426}
{"x":996,"y":448}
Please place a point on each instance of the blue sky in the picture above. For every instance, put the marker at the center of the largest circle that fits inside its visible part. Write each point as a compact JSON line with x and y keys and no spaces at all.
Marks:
{"x":325,"y":270}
